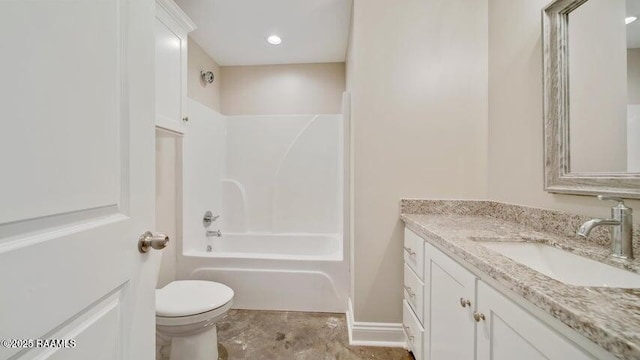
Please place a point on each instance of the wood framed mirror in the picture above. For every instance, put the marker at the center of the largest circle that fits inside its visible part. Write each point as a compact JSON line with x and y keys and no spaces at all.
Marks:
{"x":591,"y":67}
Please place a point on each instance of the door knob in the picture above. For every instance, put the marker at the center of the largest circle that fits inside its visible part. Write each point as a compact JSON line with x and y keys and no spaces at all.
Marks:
{"x":149,"y":240}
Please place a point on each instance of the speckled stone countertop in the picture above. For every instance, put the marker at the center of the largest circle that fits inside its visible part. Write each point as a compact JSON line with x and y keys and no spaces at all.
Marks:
{"x":610,"y":317}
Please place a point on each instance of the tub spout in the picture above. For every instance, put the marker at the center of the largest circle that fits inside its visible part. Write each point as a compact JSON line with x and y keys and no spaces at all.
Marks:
{"x":216,"y":233}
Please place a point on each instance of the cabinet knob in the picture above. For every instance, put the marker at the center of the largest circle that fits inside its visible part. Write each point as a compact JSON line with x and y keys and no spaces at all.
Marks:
{"x":464,"y":302}
{"x":185,"y":119}
{"x":409,"y":250}
{"x":409,"y":291}
{"x":478,"y":316}
{"x":408,"y":331}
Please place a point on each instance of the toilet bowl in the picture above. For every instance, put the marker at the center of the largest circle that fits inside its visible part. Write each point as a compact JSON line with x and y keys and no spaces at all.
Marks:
{"x":187,"y":312}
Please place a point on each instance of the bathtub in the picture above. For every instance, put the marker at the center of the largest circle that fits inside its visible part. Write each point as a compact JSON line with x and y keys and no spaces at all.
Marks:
{"x":279,"y":246}
{"x":292,"y":272}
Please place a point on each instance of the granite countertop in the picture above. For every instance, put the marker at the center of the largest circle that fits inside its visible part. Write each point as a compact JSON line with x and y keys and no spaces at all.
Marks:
{"x":610,"y":317}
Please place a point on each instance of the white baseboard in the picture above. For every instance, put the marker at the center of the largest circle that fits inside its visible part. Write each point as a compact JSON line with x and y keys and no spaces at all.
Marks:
{"x":374,"y":334}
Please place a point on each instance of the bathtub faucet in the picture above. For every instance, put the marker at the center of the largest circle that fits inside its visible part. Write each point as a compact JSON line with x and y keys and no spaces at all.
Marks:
{"x":216,"y":233}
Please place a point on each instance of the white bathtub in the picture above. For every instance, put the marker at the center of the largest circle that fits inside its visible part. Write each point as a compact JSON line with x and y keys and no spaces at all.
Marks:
{"x":279,"y":246}
{"x":293,"y":272}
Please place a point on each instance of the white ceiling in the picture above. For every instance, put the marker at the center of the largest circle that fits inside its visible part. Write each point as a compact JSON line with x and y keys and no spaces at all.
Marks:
{"x":234,"y":32}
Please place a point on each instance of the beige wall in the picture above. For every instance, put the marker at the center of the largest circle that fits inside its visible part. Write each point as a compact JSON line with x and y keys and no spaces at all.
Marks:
{"x":633,"y":76}
{"x":205,"y":93}
{"x":418,"y":76}
{"x":167,"y":150}
{"x":515,"y":112}
{"x":283,"y":89}
{"x":349,"y":173}
{"x":598,"y":86}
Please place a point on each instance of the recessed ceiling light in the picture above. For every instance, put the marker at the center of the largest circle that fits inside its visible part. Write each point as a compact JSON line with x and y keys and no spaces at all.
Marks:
{"x":628,"y":20}
{"x":274,"y":40}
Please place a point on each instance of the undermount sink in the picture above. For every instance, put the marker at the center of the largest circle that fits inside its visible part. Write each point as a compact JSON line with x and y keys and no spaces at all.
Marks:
{"x":564,"y":266}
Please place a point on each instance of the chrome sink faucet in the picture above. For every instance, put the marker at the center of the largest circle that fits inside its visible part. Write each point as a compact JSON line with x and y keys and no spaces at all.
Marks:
{"x":621,"y":227}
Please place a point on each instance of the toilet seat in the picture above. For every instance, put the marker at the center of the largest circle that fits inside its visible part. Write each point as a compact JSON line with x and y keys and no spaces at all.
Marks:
{"x":194,"y":321}
{"x":191,"y":297}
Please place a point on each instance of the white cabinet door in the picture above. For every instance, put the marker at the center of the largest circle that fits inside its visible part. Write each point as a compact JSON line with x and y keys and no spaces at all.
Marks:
{"x":449,"y":327}
{"x":171,"y":29}
{"x":509,"y":332}
{"x":77,"y":183}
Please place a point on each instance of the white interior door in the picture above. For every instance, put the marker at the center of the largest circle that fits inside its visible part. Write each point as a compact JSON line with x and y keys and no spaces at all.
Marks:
{"x":77,"y":178}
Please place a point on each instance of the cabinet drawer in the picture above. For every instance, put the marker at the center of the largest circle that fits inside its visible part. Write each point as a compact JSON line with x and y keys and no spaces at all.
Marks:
{"x":414,"y":252}
{"x":413,"y":331}
{"x":414,"y":292}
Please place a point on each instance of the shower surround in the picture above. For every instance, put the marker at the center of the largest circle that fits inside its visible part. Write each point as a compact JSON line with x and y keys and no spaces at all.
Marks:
{"x":283,"y":174}
{"x":277,"y":183}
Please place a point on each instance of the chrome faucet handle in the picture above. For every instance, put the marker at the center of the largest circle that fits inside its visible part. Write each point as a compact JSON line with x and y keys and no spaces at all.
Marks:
{"x":209,"y":218}
{"x":612,"y":198}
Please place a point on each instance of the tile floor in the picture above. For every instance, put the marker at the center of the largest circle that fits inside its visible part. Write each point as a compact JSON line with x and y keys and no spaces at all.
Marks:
{"x":281,"y":335}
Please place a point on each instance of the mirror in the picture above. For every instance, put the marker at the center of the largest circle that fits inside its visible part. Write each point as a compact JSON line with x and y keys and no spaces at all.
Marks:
{"x":592,"y":97}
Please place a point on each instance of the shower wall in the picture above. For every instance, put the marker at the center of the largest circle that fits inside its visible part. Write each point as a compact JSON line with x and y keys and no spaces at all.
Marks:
{"x":261,"y":174}
{"x":283,"y":174}
{"x":203,"y":167}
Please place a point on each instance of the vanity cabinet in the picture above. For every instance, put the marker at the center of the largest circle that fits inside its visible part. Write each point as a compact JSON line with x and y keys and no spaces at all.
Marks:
{"x":464,"y":318}
{"x":509,"y":332}
{"x":413,"y":303}
{"x":414,"y":293}
{"x":171,"y":29}
{"x":452,"y":297}
{"x":413,"y":330}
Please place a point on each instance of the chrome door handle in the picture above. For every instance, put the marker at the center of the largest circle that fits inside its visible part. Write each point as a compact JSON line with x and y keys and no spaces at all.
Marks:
{"x":150,"y":240}
{"x":408,"y":249}
{"x":409,"y":291}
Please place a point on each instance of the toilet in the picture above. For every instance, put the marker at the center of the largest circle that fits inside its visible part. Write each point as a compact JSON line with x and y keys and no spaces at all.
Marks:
{"x":187,"y":312}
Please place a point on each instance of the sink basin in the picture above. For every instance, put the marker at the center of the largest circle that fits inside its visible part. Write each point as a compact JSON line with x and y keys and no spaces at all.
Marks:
{"x":564,"y":266}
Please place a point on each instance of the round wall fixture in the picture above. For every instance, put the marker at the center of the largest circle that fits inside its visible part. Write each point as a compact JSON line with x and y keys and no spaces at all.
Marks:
{"x":207,"y":76}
